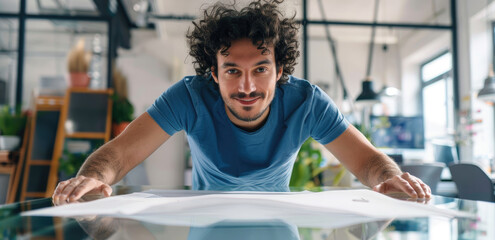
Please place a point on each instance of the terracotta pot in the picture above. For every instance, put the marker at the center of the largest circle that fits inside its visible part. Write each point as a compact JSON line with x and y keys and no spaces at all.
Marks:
{"x":79,"y":79}
{"x":118,"y":128}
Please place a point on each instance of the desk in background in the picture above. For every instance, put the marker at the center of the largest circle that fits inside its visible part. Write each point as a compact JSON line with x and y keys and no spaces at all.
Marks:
{"x":12,"y":225}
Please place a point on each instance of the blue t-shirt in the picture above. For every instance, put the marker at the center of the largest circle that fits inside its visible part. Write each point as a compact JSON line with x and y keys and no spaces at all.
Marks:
{"x":225,"y":155}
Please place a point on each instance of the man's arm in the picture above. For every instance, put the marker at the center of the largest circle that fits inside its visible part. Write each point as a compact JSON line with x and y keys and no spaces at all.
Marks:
{"x":372,"y":167}
{"x":112,"y":161}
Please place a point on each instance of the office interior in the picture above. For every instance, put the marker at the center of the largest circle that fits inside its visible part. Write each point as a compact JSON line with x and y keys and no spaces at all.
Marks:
{"x":428,"y":60}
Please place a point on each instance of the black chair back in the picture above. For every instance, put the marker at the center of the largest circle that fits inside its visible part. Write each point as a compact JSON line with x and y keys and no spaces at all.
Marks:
{"x":472,"y":182}
{"x":429,"y":173}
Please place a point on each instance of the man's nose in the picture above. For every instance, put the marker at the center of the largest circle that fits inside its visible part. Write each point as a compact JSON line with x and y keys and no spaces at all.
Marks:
{"x":247,"y":84}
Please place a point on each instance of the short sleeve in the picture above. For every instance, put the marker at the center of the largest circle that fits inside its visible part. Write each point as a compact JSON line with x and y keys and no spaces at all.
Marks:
{"x":327,"y":121}
{"x":172,"y":110}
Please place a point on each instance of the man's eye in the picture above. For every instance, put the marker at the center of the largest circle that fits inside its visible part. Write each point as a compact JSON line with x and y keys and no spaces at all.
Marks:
{"x":261,"y":69}
{"x":232,"y":71}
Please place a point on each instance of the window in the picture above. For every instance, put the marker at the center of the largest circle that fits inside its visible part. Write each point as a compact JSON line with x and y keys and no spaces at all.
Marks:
{"x":437,"y":97}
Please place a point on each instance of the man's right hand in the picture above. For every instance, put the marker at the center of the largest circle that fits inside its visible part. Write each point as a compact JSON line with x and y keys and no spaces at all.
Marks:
{"x":73,"y":189}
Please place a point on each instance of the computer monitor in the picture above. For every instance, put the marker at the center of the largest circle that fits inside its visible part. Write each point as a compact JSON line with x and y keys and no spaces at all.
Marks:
{"x":397,"y":132}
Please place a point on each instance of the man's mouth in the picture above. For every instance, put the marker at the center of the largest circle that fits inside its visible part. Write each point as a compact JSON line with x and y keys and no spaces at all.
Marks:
{"x":247,"y":101}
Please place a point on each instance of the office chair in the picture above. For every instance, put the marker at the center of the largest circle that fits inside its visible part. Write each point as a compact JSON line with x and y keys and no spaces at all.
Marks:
{"x":429,"y":173}
{"x":472,"y":182}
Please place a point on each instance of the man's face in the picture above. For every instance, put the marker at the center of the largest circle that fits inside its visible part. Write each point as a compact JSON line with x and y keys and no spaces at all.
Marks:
{"x":247,"y":80}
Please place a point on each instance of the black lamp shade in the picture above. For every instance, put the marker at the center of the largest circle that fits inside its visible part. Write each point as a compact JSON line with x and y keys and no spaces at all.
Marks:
{"x":367,"y":94}
{"x":488,"y":91}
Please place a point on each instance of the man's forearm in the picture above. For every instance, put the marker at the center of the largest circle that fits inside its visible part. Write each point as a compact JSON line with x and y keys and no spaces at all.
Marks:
{"x":378,"y":169}
{"x":104,"y":164}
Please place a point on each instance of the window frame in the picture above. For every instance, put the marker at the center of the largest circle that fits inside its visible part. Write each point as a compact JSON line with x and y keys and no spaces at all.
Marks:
{"x":442,"y":76}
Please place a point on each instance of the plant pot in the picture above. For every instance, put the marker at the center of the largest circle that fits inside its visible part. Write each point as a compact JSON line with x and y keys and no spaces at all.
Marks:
{"x":9,"y":143}
{"x":118,"y":128}
{"x":79,"y":79}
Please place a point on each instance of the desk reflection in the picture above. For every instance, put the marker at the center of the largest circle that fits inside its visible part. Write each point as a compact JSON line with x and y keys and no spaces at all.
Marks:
{"x":114,"y":228}
{"x":275,"y":230}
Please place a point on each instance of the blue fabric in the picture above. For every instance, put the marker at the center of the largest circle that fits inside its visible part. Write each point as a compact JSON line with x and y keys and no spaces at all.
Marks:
{"x":225,"y":155}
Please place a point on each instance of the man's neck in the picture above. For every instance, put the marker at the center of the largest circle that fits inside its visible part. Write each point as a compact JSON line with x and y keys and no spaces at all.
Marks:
{"x":249,"y":126}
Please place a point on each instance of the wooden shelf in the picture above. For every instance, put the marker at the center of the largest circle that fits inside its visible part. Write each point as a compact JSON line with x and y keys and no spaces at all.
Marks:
{"x":49,"y":103}
{"x":4,"y":156}
{"x":35,"y":194}
{"x":87,"y":135}
{"x":41,"y":162}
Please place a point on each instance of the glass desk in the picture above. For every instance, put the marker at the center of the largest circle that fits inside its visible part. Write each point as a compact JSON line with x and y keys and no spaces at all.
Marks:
{"x":13,"y":225}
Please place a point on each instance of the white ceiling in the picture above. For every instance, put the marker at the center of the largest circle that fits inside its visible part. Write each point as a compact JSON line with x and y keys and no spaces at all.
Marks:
{"x":403,"y":11}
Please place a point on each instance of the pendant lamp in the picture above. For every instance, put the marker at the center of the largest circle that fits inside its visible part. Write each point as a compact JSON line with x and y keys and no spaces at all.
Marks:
{"x":368,"y":96}
{"x":487,"y":93}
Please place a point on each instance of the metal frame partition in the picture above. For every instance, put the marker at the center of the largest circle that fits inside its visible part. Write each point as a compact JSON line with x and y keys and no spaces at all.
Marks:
{"x":305,"y":22}
{"x":22,"y":16}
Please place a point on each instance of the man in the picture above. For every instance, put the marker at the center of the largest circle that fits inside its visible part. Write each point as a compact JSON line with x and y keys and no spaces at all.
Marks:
{"x":244,"y":115}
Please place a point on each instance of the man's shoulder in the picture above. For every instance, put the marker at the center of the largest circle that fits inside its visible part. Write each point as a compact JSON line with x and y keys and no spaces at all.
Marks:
{"x":191,"y":84}
{"x":297,"y":86}
{"x":196,"y":80}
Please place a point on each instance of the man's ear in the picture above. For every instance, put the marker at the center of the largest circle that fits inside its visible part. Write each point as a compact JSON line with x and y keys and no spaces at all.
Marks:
{"x":279,"y":73}
{"x":213,"y":74}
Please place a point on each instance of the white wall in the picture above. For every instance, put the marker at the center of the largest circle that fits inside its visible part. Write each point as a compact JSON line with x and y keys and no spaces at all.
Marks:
{"x":480,"y":49}
{"x":152,"y":66}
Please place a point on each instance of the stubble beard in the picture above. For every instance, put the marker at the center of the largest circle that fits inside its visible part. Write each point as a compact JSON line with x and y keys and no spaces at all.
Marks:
{"x":248,"y":108}
{"x":247,"y":119}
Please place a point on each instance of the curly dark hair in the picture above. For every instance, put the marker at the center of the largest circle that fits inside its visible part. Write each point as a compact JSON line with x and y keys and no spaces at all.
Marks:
{"x":261,"y":21}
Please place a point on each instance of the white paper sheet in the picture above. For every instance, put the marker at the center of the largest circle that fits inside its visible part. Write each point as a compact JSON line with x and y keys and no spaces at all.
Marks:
{"x":200,"y":208}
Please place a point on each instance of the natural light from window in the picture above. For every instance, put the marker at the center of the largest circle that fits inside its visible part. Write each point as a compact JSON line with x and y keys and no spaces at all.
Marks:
{"x":437,"y":67}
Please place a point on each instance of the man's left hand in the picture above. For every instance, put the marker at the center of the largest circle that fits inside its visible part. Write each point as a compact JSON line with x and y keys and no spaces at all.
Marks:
{"x":406,"y":183}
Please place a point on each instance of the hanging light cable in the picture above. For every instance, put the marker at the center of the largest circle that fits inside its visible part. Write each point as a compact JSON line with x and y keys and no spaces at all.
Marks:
{"x":333,"y":49}
{"x":367,"y":95}
{"x":387,"y":91}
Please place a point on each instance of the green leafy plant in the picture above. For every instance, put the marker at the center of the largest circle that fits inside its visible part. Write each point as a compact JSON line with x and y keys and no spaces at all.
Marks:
{"x":365,"y":131}
{"x":122,"y":110}
{"x":12,"y":122}
{"x":70,"y":163}
{"x":307,"y":166}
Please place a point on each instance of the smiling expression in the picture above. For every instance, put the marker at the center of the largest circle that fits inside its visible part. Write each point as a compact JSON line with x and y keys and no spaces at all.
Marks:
{"x":247,"y":79}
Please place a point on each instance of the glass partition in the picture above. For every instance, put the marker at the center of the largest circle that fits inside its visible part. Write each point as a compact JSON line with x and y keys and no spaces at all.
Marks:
{"x":9,"y":6}
{"x":67,"y":7}
{"x":48,"y":43}
{"x":8,"y":60}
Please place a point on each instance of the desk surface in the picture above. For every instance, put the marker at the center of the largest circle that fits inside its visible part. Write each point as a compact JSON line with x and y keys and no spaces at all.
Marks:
{"x":13,"y":225}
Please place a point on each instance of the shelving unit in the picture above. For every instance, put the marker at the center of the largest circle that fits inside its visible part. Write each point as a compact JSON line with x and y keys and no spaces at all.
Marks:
{"x":82,"y":106}
{"x":40,"y":152}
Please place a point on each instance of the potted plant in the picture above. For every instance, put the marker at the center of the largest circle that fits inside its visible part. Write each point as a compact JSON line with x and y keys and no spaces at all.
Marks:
{"x":306,"y":171}
{"x":78,"y":65}
{"x":122,"y":110}
{"x":70,"y":163}
{"x":122,"y":114}
{"x":12,"y":123}
{"x":309,"y":168}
